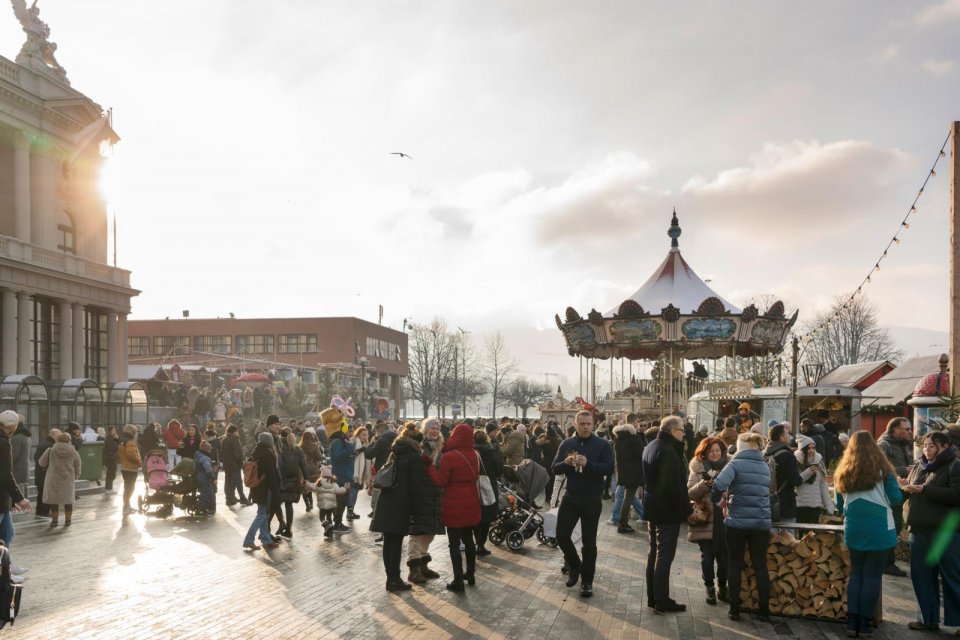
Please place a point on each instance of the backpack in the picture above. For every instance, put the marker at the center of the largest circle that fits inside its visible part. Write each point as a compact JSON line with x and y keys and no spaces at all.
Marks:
{"x":9,"y":593}
{"x":774,"y":489}
{"x":251,"y":473}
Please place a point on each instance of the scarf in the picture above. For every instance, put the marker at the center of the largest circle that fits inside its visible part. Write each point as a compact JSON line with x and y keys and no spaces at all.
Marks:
{"x":944,"y":457}
{"x":717,"y":466}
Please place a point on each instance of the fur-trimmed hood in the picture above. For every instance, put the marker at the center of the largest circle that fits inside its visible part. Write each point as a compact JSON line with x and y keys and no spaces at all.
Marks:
{"x":625,"y":428}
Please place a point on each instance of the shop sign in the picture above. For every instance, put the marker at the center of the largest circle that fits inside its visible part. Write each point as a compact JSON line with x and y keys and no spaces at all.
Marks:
{"x":733,"y":389}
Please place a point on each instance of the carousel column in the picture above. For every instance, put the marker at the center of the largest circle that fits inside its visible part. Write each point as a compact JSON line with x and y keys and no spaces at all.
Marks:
{"x":79,"y":359}
{"x":111,"y":347}
{"x":66,"y":340}
{"x":24,"y":317}
{"x":122,"y":354}
{"x":9,"y":329}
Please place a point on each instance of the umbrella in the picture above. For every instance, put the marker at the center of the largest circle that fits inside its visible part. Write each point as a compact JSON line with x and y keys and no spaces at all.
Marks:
{"x":253,"y":377}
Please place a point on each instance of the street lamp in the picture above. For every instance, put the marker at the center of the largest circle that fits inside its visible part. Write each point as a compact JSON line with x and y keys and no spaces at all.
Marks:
{"x":363,"y":384}
{"x":463,"y":344}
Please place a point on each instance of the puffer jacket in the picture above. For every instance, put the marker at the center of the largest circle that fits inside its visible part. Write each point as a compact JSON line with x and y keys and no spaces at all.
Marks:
{"x":458,"y":472}
{"x":926,"y":511}
{"x":514,"y":448}
{"x":628,"y":451}
{"x":814,"y":493}
{"x":898,"y":452}
{"x":341,"y":457}
{"x":428,"y":521}
{"x":129,"y":454}
{"x":327,"y":491}
{"x":398,"y":506}
{"x":746,"y":481}
{"x":699,"y":491}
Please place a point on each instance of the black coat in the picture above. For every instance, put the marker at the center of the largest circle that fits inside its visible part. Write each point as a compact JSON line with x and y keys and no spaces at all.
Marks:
{"x":926,"y":511}
{"x":492,"y":466}
{"x":665,"y":500}
{"x":398,"y":507}
{"x":9,"y":491}
{"x":293,"y":470}
{"x":267,"y":467}
{"x":788,"y":477}
{"x":231,"y":452}
{"x":380,"y":448}
{"x":628,"y":447}
{"x":111,"y":451}
{"x":41,"y":472}
{"x":427,"y":521}
{"x":148,"y":441}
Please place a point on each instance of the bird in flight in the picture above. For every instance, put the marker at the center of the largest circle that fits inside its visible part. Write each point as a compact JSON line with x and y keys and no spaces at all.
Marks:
{"x":401,"y":154}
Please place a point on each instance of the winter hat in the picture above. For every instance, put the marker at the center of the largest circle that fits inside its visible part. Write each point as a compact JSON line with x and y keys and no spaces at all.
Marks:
{"x":265,"y":438}
{"x":844,"y":437}
{"x":331,"y":428}
{"x":804,"y":441}
{"x":9,"y":418}
{"x":757,"y":428}
{"x":311,"y":430}
{"x":272,"y":419}
{"x":521,"y":428}
{"x":326,"y":471}
{"x":771,"y":423}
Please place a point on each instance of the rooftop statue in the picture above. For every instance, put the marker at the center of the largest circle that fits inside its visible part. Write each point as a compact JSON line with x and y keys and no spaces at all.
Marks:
{"x":37,"y":51}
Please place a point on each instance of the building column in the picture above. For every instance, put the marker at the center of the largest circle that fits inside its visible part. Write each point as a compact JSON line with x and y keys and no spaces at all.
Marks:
{"x":111,"y":347}
{"x":122,"y":354}
{"x":66,"y":340}
{"x":21,"y":188}
{"x":24,"y":346}
{"x":9,"y":331}
{"x":78,"y":342}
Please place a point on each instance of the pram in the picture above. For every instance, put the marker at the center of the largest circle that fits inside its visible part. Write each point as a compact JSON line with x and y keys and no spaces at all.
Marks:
{"x":518,"y":519}
{"x":168,"y":490}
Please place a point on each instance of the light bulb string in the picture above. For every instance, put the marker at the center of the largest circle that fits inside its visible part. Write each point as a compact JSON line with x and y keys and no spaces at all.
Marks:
{"x":894,"y":240}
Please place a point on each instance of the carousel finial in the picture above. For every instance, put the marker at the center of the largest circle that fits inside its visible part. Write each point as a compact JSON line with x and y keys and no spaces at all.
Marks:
{"x":674,"y":231}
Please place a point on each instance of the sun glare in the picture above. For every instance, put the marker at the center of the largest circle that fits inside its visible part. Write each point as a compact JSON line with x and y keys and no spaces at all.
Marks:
{"x":111,"y":181}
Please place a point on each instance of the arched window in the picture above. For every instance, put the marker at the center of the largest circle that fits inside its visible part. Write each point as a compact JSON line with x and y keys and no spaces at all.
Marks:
{"x":68,"y":234}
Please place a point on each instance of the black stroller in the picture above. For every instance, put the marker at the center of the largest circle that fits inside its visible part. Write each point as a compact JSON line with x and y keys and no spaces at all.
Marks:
{"x":178,"y":489}
{"x":518,"y":519}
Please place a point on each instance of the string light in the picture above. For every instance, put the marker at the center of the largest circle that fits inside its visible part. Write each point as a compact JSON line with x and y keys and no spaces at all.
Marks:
{"x":895,"y":240}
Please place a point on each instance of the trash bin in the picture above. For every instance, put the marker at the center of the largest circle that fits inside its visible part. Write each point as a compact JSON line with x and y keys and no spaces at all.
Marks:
{"x":91,"y":460}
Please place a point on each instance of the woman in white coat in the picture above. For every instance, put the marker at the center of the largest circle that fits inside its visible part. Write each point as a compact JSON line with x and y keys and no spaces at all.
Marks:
{"x":813,"y":495}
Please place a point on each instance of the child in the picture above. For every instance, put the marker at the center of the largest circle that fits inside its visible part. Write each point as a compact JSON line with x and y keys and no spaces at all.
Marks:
{"x":327,"y":491}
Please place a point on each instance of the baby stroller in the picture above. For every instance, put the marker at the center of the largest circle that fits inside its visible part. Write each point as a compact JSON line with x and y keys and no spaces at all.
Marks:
{"x":166,"y":491}
{"x":519,"y":520}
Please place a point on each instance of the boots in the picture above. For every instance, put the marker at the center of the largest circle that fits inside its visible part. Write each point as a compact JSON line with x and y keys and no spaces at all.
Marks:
{"x":351,"y":515}
{"x":395,"y":583}
{"x":54,"y":515}
{"x":415,"y":576}
{"x":67,"y":515}
{"x":722,"y":593}
{"x":426,"y":571}
{"x":469,"y":575}
{"x":711,"y":595}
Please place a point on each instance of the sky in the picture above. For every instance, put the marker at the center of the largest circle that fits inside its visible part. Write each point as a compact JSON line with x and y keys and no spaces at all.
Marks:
{"x":550,"y":143}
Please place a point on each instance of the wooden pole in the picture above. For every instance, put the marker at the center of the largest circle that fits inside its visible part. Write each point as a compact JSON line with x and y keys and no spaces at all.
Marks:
{"x":954,"y":255}
{"x":794,"y":399}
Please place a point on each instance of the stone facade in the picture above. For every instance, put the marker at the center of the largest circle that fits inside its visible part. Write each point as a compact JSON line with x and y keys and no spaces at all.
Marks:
{"x":63,"y":307}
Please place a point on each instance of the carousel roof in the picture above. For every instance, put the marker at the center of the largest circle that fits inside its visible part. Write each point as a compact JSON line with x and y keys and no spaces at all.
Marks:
{"x":676,"y":310}
{"x":674,"y":282}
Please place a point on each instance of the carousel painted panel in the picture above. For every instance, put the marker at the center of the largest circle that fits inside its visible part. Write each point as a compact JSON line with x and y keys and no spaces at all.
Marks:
{"x":709,"y":328}
{"x":635,"y":332}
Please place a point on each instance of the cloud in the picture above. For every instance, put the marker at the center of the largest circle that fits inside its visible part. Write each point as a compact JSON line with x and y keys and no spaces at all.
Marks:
{"x":889,"y":53}
{"x":937,"y":67}
{"x":793,"y":187}
{"x":939,"y":13}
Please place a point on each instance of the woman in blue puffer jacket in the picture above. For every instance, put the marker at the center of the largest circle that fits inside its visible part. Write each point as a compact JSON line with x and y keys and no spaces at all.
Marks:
{"x":746,"y":482}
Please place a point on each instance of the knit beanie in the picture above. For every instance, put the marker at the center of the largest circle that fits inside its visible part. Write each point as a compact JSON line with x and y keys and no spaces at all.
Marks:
{"x":265,"y":438}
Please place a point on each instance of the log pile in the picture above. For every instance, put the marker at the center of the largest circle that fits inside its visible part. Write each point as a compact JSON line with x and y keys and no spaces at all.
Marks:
{"x":808,"y":578}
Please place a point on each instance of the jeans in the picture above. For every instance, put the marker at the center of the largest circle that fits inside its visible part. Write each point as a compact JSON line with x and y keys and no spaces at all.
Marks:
{"x":618,"y":500}
{"x":757,"y":542}
{"x":454,"y":537}
{"x":352,"y":494}
{"x":6,"y":528}
{"x":587,"y":510}
{"x":260,"y":523}
{"x":663,"y":548}
{"x":392,"y":550}
{"x":129,"y":484}
{"x":233,"y":485}
{"x":927,"y":578}
{"x":863,"y":587}
{"x":712,"y":553}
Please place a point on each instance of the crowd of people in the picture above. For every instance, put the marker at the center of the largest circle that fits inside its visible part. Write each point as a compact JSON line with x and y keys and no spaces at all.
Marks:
{"x":730,"y":488}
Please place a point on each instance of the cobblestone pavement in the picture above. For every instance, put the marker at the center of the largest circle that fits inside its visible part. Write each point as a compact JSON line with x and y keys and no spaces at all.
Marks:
{"x":107,"y":577}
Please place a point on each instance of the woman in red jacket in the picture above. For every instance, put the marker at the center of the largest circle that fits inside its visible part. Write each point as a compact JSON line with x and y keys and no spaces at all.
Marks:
{"x":460,"y":509}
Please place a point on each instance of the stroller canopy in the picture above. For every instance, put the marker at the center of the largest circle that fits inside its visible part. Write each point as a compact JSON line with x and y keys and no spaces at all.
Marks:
{"x":531,"y":479}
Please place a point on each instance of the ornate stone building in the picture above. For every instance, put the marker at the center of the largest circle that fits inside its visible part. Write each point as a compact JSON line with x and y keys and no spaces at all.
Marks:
{"x":63,"y":307}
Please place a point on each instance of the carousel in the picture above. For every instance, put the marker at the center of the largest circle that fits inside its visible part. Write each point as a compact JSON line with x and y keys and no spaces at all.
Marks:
{"x":673,"y":318}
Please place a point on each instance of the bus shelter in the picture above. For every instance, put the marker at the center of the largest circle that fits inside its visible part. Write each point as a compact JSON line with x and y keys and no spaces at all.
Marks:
{"x":77,"y":400}
{"x":125,"y":403}
{"x":27,"y":395}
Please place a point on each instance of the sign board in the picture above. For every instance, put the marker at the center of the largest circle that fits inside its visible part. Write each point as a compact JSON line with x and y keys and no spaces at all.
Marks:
{"x":774,"y":409}
{"x":731,"y":390}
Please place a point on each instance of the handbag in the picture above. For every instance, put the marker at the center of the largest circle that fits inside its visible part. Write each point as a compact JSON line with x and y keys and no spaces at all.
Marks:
{"x":485,"y":490}
{"x":386,"y":478}
{"x":700,"y":515}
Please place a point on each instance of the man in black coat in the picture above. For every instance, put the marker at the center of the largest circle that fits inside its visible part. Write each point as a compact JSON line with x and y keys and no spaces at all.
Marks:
{"x":665,"y":506}
{"x":10,"y":496}
{"x":231,"y":455}
{"x":789,"y":476}
{"x":628,"y":447}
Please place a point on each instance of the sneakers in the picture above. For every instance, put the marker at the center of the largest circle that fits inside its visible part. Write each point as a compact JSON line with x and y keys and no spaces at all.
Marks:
{"x":109,"y":492}
{"x":251,"y":547}
{"x":626,"y":529}
{"x":711,"y":595}
{"x":340,"y":528}
{"x":614,"y":523}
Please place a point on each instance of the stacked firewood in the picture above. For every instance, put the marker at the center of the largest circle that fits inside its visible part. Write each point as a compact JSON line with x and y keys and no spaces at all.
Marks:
{"x":808,"y":577}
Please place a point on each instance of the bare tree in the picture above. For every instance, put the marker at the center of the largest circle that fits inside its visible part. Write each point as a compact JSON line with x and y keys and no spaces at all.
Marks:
{"x":525,"y":393}
{"x":850,"y":335}
{"x":431,"y":362}
{"x":764,"y":371}
{"x":498,"y":366}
